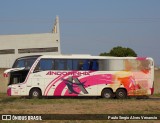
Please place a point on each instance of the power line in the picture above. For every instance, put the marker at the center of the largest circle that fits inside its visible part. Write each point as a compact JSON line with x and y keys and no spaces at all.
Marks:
{"x":24,"y":21}
{"x":85,"y":20}
{"x":114,"y":20}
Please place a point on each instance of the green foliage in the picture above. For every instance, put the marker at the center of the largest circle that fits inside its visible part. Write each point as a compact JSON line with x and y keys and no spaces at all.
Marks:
{"x":120,"y":52}
{"x":104,"y":54}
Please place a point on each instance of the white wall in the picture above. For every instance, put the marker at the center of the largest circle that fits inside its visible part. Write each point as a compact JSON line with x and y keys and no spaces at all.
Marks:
{"x":43,"y":40}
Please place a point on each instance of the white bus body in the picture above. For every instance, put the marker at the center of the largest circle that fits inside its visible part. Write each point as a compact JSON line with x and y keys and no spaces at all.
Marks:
{"x":83,"y":75}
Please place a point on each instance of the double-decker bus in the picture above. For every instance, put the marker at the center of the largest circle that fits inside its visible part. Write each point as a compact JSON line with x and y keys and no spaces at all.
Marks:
{"x":81,"y":75}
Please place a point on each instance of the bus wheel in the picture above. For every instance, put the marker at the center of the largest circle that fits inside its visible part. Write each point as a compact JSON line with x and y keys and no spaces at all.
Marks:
{"x":35,"y":93}
{"x":121,"y":93}
{"x":107,"y":93}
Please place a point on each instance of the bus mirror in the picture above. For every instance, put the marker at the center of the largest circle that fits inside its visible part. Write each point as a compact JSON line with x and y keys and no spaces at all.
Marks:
{"x":5,"y":75}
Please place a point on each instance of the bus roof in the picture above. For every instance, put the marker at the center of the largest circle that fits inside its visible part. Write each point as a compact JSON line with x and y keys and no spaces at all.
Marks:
{"x":86,"y":56}
{"x":31,"y":56}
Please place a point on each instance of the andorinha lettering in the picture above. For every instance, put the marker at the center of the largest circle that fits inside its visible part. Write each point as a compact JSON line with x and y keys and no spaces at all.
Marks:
{"x":73,"y":73}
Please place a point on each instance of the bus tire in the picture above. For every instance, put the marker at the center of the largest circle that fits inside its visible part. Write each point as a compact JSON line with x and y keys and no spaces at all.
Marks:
{"x":35,"y":93}
{"x":107,"y":94}
{"x":121,"y":93}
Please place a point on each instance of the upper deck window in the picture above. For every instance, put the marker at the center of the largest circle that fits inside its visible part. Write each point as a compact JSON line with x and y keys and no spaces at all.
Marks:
{"x":66,"y":64}
{"x":24,"y":62}
{"x":45,"y":64}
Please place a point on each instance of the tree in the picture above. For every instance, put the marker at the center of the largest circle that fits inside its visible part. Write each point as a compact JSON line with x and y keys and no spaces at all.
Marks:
{"x":120,"y":52}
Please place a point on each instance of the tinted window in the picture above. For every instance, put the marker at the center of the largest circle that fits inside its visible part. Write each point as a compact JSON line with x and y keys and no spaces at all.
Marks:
{"x":60,"y":64}
{"x":66,"y":64}
{"x":45,"y":64}
{"x":87,"y":64}
{"x":69,"y":64}
{"x":63,"y":64}
{"x":27,"y":63}
{"x":77,"y":64}
{"x":94,"y":65}
{"x":20,"y":63}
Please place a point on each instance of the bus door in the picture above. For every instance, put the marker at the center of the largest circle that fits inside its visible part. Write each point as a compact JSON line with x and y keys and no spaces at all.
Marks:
{"x":42,"y":77}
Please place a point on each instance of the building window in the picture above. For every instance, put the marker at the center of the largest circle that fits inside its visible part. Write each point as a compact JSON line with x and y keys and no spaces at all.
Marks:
{"x":37,"y":50}
{"x":7,"y":51}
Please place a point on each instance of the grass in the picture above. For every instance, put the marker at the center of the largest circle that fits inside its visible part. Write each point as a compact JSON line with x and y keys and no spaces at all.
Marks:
{"x":82,"y":105}
{"x":156,"y":95}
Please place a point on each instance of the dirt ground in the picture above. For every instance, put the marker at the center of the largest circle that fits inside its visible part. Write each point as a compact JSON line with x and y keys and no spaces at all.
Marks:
{"x":83,"y":105}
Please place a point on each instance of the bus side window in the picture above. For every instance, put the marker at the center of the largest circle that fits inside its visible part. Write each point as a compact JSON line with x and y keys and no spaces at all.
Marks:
{"x":63,"y":64}
{"x":76,"y":64}
{"x":94,"y":65}
{"x":44,"y":64}
{"x":85,"y":64}
{"x":59,"y":64}
{"x":69,"y":64}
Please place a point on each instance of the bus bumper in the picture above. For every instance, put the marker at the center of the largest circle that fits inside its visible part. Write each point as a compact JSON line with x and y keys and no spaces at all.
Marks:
{"x":9,"y":91}
{"x":152,"y":91}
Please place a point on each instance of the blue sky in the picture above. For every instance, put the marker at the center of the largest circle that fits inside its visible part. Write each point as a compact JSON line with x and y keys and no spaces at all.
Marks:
{"x":88,"y":26}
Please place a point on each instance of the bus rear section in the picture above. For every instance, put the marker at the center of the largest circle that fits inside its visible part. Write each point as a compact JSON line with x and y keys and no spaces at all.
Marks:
{"x":132,"y":77}
{"x":92,"y":76}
